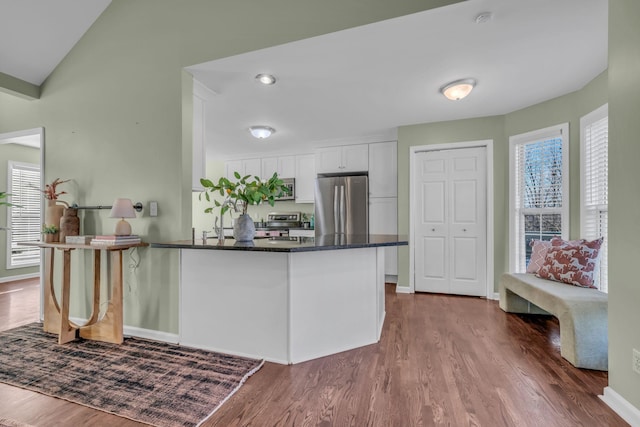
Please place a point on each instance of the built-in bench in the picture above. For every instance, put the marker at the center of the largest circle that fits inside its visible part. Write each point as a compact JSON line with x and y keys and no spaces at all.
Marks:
{"x":582,"y":313}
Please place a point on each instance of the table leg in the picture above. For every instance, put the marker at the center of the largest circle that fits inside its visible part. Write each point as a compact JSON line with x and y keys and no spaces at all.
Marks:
{"x":109,"y":328}
{"x":51,"y":310}
{"x":67,"y":331}
{"x":95,"y":309}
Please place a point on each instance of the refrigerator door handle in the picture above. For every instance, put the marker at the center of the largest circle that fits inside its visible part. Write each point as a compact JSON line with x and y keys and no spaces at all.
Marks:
{"x":343,"y":214}
{"x":336,"y":214}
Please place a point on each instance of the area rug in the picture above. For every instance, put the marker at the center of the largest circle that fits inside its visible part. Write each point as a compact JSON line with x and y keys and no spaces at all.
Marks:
{"x":151,"y":382}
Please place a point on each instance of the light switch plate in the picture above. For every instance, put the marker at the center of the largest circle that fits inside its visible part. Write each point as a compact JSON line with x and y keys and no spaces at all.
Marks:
{"x":153,"y":208}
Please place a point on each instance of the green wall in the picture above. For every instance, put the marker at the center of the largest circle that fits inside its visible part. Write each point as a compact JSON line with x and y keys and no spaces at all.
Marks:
{"x":567,"y":108}
{"x":624,"y":196}
{"x":17,"y":153}
{"x":117,"y":114}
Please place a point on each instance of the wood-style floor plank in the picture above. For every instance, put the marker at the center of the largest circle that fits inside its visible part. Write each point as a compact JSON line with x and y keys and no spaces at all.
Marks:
{"x":442,"y":361}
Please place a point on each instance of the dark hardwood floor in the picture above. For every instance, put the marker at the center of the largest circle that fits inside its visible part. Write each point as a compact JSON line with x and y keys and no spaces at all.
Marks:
{"x":442,"y":361}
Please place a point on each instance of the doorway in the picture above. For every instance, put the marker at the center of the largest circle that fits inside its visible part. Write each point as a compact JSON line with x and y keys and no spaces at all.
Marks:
{"x":21,"y":175}
{"x":451,"y":243}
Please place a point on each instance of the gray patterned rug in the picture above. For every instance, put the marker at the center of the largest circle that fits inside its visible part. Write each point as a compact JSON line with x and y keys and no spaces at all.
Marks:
{"x":146,"y":381}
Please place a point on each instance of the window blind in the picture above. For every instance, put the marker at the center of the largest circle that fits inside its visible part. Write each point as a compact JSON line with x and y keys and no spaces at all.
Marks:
{"x":595,"y":186}
{"x":24,"y":219}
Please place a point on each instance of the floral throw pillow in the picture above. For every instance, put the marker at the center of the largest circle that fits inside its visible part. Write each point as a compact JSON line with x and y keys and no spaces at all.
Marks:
{"x":538,"y":254}
{"x":572,"y":263}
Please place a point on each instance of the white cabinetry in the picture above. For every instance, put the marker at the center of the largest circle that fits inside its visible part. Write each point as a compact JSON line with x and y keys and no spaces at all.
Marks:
{"x":305,"y":178}
{"x":383,"y":169}
{"x":342,"y":159}
{"x":285,"y":166}
{"x":243,"y":167}
{"x":383,"y":219}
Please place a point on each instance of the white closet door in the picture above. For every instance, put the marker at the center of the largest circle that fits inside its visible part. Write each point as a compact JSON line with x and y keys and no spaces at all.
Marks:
{"x":450,"y":229}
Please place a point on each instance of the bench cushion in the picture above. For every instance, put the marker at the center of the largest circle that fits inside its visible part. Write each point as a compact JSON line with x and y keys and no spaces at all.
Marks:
{"x":581,"y":312}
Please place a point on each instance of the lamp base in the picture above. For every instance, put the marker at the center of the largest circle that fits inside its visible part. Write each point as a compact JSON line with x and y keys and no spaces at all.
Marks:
{"x":123,"y":228}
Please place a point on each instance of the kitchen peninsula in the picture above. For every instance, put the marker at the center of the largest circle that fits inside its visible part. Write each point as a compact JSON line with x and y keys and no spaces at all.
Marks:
{"x":284,"y":300}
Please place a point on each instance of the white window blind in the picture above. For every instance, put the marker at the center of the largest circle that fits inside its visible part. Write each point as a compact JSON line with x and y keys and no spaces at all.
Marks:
{"x":538,"y":169}
{"x":23,"y":220}
{"x":594,"y":182}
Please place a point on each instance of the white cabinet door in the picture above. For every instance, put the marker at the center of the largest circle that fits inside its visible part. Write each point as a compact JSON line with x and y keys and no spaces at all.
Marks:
{"x":252,"y":167}
{"x":383,"y":219}
{"x":383,"y":169}
{"x":355,"y":158}
{"x":233,"y":166}
{"x":346,"y":158}
{"x":198,"y":163}
{"x":286,"y":167}
{"x":305,"y":178}
{"x":269,"y":167}
{"x":328,"y":160}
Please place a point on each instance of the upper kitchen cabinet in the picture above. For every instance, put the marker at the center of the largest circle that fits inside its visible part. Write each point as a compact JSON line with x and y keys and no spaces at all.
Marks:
{"x":383,"y":169}
{"x":243,"y":167}
{"x":342,"y":159}
{"x":201,"y":97}
{"x":285,"y":166}
{"x":305,"y":178}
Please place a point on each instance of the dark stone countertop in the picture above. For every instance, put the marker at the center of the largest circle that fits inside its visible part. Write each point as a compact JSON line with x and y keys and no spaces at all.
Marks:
{"x":292,"y":244}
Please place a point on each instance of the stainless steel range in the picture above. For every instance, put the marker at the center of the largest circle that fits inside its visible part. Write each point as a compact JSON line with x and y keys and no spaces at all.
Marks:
{"x":279,"y":223}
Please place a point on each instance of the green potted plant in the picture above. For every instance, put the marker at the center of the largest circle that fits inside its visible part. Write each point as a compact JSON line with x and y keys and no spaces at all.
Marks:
{"x":49,"y":233}
{"x":239,"y":194}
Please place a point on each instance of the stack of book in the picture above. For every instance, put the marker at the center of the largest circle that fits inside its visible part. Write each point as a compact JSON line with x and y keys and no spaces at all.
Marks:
{"x":109,"y":240}
{"x":78,"y":240}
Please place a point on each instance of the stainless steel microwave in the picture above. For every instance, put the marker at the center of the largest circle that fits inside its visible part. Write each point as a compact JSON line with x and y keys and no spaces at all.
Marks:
{"x":290,"y":183}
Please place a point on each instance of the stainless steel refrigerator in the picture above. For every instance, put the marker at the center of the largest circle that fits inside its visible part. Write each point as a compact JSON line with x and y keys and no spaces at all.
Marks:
{"x":342,"y":205}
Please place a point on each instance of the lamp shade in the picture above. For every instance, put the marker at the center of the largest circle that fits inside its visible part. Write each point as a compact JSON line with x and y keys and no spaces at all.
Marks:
{"x":458,"y":89}
{"x":261,"y":132}
{"x":122,"y":208}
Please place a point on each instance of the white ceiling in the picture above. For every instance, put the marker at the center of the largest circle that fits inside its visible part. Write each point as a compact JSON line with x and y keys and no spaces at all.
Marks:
{"x":35,"y":35}
{"x":368,"y":80}
{"x":360,"y":83}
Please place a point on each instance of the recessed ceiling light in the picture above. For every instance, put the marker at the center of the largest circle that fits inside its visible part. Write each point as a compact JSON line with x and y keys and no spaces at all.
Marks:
{"x":261,"y":132}
{"x":458,"y":89}
{"x":266,"y":79}
{"x":484,"y":17}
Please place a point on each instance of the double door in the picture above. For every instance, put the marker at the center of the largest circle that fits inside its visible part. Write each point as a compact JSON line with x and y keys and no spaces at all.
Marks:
{"x":450,"y":227}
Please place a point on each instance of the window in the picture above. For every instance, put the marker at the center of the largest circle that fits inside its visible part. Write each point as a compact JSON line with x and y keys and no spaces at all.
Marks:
{"x":539,"y":183}
{"x":23,"y":221}
{"x":594,"y":203}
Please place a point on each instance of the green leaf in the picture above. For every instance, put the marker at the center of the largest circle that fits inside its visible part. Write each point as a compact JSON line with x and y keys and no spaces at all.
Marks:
{"x":208,"y":210}
{"x":237,"y":175}
{"x":206,"y":182}
{"x":206,"y":195}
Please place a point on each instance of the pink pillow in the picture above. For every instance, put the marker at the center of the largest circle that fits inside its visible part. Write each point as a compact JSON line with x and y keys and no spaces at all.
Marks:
{"x":539,"y":252}
{"x":571,"y":264}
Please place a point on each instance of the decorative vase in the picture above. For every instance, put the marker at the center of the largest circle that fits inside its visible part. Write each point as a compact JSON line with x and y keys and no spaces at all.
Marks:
{"x":69,"y":224}
{"x":52,"y":215}
{"x":244,"y":230}
{"x":48,"y":238}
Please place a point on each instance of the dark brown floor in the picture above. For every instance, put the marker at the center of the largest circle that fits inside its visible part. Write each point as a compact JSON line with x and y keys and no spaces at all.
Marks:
{"x":442,"y":361}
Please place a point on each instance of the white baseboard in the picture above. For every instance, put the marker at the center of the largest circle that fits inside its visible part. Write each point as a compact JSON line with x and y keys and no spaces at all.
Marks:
{"x":619,"y":404}
{"x":132,"y":331}
{"x":391,"y":278}
{"x":19,"y":277}
{"x":403,"y":289}
{"x":496,"y":296}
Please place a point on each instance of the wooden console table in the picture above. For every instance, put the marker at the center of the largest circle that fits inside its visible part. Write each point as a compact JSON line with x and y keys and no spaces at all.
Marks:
{"x":56,"y":314}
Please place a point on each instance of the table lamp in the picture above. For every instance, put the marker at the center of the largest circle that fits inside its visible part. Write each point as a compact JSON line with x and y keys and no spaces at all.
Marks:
{"x":122,"y":208}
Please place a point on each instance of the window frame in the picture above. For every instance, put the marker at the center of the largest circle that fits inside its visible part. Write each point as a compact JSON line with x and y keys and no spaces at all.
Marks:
{"x":11,"y":166}
{"x":585,"y":121}
{"x":557,"y":131}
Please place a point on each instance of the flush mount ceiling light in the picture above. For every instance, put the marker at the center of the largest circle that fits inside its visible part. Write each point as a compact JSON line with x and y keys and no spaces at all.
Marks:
{"x":266,"y":79}
{"x":261,"y":132}
{"x":458,"y":89}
